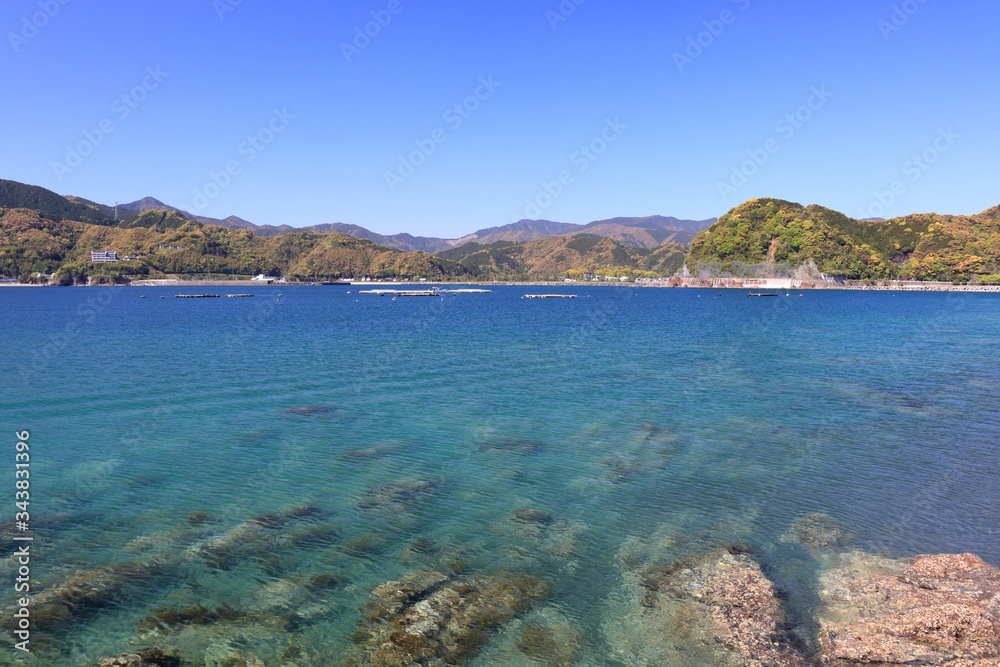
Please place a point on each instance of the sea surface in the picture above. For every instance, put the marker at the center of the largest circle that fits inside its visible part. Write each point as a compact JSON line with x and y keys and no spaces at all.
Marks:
{"x":379,"y":436}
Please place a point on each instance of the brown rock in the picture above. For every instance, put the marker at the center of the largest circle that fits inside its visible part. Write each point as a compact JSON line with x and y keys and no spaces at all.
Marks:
{"x":930,"y":610}
{"x":429,"y":618}
{"x":88,"y":590}
{"x":725,"y":603}
{"x":151,"y":657}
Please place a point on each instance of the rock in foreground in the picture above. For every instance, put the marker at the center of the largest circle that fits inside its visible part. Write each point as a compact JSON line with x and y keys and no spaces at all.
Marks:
{"x":152,"y":657}
{"x":717,"y":608}
{"x":929,"y":610}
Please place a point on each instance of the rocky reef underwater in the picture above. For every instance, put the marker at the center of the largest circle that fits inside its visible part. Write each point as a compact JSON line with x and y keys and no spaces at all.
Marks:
{"x":684,"y":596}
{"x":720,"y":607}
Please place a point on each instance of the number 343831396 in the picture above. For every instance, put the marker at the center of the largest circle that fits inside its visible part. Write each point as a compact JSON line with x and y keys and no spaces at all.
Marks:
{"x":22,"y":463}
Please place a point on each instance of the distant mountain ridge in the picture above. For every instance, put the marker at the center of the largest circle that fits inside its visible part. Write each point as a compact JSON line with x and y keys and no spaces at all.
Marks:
{"x":636,"y":232}
{"x":42,"y":232}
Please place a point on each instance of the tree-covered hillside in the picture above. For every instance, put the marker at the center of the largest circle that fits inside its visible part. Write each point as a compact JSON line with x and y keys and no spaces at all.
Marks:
{"x":51,"y":205}
{"x":561,"y":255}
{"x":921,"y":247}
{"x":42,"y":232}
{"x":167,"y":244}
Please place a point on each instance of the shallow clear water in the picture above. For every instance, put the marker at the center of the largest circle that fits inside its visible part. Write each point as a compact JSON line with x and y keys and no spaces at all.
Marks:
{"x":640,"y":419}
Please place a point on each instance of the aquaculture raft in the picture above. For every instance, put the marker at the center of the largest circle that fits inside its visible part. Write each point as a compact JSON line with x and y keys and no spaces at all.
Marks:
{"x":393,"y":292}
{"x":197,"y":296}
{"x":762,"y":294}
{"x":239,"y":295}
{"x":549,"y":296}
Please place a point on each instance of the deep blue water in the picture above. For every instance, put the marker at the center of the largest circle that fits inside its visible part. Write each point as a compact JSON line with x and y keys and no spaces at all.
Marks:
{"x":630,"y":415}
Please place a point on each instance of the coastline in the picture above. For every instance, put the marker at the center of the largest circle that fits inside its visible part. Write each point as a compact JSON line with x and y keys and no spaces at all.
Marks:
{"x":688,"y":283}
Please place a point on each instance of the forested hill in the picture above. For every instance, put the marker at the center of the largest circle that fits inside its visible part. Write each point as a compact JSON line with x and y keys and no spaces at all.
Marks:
{"x":571,"y":256}
{"x":42,"y":232}
{"x":51,"y":205}
{"x":167,"y":244}
{"x":914,"y":247}
{"x":164,"y":243}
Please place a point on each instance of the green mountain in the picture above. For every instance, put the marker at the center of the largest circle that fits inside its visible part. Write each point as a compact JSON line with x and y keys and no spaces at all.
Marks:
{"x":918,"y":247}
{"x":52,"y":205}
{"x":167,"y":244}
{"x":648,"y":232}
{"x":43,"y":232}
{"x":565,"y":255}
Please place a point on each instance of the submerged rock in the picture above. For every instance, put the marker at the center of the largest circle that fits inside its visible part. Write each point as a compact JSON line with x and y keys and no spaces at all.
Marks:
{"x":555,"y":645}
{"x":312,"y":410}
{"x":88,"y":590}
{"x":540,"y":528}
{"x":295,"y":602}
{"x":517,"y":446}
{"x":44,"y":524}
{"x":429,"y":617}
{"x":650,"y":448}
{"x":365,"y":454}
{"x":717,"y":608}
{"x":151,"y":657}
{"x":240,"y":660}
{"x":266,"y":622}
{"x":255,"y":536}
{"x":170,"y":543}
{"x":402,"y":496}
{"x":421,"y":547}
{"x":533,"y":518}
{"x":536,"y":528}
{"x":818,"y":533}
{"x":170,"y":619}
{"x":379,"y":450}
{"x":372,"y":543}
{"x":928,"y":610}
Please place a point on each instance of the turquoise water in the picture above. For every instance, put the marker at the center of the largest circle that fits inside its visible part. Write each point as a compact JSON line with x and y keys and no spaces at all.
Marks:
{"x":658,"y":421}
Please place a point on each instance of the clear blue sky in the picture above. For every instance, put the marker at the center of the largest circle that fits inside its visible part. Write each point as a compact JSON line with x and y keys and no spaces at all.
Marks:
{"x":673,"y":133}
